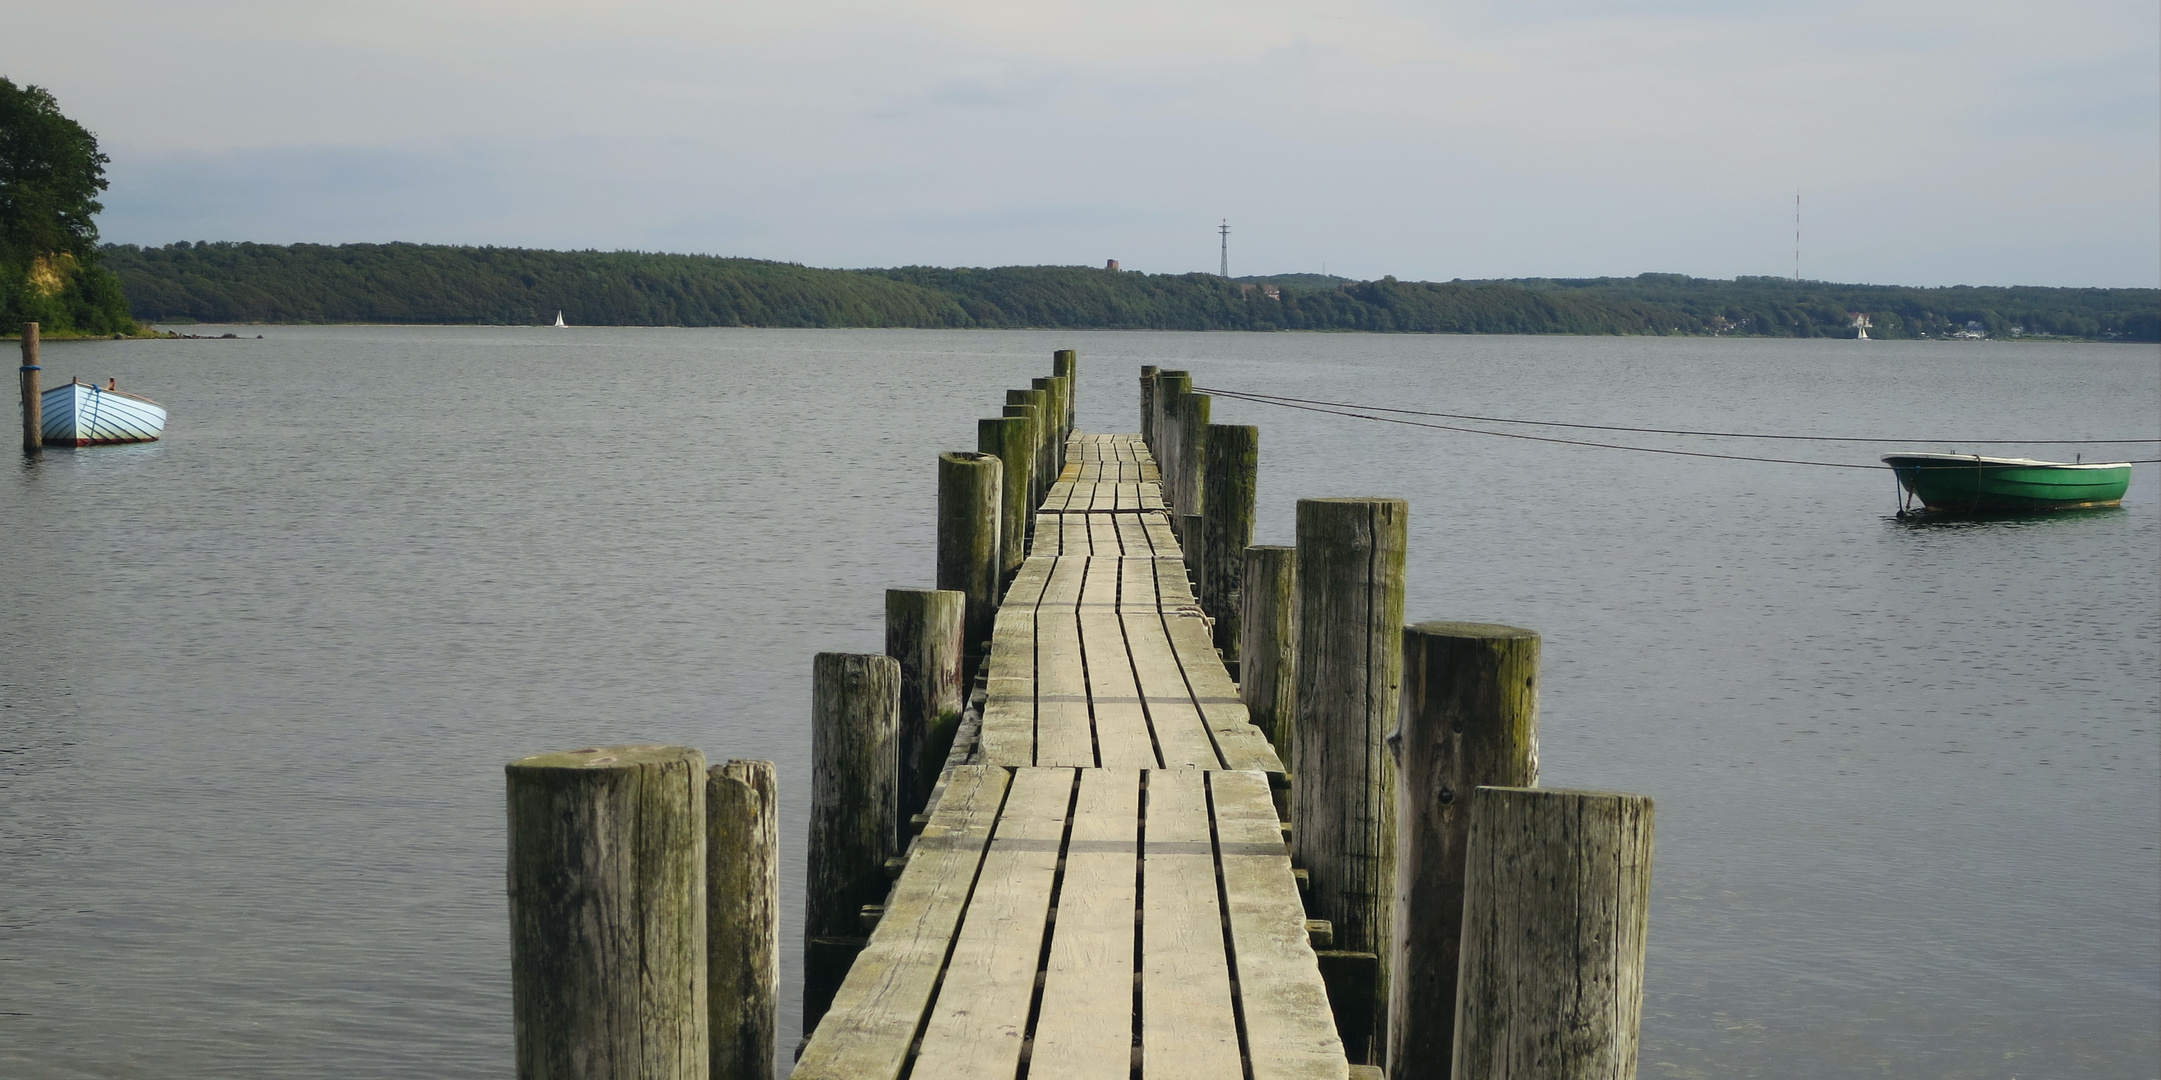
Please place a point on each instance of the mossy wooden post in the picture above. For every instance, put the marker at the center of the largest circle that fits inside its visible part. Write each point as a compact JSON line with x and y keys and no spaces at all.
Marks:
{"x":1032,"y":491}
{"x":1065,"y":363}
{"x":1148,"y":405}
{"x":607,"y":913}
{"x":1053,"y":436}
{"x":923,"y":630}
{"x":1040,"y":401}
{"x":1556,"y":900}
{"x":1172,"y":387}
{"x":1061,"y":409}
{"x":1268,"y":644}
{"x":742,"y":921}
{"x":1193,"y":412}
{"x":969,"y":490}
{"x":1469,"y":720}
{"x":855,"y":765}
{"x":1350,"y":657}
{"x":33,"y":397}
{"x":1012,"y":440}
{"x":1232,"y":459}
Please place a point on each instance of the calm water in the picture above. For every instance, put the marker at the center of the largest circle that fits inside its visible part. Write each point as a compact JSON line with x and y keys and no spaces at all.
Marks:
{"x":259,"y":680}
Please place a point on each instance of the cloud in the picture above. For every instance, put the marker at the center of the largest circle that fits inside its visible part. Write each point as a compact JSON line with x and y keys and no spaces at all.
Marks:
{"x":1934,"y":143}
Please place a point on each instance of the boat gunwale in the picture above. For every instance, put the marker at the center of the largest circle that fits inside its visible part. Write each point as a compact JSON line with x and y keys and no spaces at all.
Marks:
{"x":1968,"y":461}
{"x":77,"y":380}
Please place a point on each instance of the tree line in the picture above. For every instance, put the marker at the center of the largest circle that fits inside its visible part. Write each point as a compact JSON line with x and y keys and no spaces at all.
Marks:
{"x":423,"y":283}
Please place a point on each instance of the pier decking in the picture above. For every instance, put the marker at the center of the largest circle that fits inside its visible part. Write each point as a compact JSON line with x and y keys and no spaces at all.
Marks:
{"x":1102,"y":888}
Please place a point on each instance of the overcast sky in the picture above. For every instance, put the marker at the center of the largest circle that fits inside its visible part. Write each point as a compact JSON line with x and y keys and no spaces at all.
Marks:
{"x":1933,"y":142}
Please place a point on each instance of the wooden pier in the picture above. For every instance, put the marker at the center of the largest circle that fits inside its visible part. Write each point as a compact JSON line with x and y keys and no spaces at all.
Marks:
{"x":1102,"y":888}
{"x":1083,"y":867}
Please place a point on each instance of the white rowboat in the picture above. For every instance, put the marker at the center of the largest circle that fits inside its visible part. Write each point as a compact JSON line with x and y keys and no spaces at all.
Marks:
{"x":86,"y":414}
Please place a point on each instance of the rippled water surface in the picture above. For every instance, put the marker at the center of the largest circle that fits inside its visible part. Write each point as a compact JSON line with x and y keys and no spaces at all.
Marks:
{"x":257,"y":681}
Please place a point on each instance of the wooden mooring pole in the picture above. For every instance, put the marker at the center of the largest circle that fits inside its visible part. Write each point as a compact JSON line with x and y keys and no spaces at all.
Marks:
{"x":608,"y":913}
{"x":1171,"y":387}
{"x":970,"y":493}
{"x":854,"y":824}
{"x":1148,"y":405}
{"x":1012,"y":440}
{"x":1350,"y":657}
{"x":1192,"y":457}
{"x":33,"y":398}
{"x":1065,"y":363}
{"x":1268,"y":645}
{"x":1469,"y":720}
{"x":1232,"y":459}
{"x":1556,"y":902}
{"x":1040,"y":475}
{"x":742,"y":922}
{"x":923,"y":632}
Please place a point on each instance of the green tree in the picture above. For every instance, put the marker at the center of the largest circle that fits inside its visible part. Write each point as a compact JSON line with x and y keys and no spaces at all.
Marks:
{"x":50,"y":175}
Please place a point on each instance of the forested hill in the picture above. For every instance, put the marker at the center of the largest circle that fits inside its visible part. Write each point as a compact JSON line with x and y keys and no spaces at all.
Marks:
{"x":415,"y":283}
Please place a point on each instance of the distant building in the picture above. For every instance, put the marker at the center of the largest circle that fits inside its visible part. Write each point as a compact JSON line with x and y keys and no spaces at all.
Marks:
{"x":1110,"y":264}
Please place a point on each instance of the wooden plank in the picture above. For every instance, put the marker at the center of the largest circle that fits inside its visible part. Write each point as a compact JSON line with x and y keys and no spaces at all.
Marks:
{"x":1085,"y":1030}
{"x":1047,"y":535}
{"x":1121,"y":723}
{"x":1188,"y":1028}
{"x":1161,"y":537}
{"x":1181,"y":738}
{"x":1239,"y":745}
{"x":1007,"y":732}
{"x":1290,"y":1032}
{"x":1133,"y":537}
{"x":977,"y":1026}
{"x":1063,"y":733}
{"x":874,"y":1017}
{"x":1103,"y":536}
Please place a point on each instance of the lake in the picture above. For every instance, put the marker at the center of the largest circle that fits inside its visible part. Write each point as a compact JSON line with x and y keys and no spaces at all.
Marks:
{"x":258,"y":681}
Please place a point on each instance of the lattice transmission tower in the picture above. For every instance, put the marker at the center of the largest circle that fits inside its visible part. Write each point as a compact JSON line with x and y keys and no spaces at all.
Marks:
{"x":1225,"y":229}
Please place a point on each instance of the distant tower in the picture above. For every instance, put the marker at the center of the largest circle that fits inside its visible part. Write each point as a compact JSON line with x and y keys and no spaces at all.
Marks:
{"x":1225,"y":229}
{"x":1797,"y":234}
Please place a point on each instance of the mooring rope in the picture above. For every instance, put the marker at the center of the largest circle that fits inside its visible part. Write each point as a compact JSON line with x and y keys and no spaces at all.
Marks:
{"x":1328,"y":408}
{"x":1275,"y":398}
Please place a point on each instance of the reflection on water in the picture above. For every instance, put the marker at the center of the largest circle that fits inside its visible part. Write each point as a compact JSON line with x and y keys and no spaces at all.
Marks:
{"x":258,"y":681}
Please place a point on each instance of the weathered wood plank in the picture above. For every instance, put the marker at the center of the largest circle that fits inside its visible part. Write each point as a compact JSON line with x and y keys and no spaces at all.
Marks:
{"x":1064,"y":734}
{"x":1121,"y":723}
{"x":1181,"y":737}
{"x":1086,"y":1027}
{"x":866,"y":1033}
{"x":1239,"y":745}
{"x":1289,"y":1032}
{"x":1188,"y":1028}
{"x":978,"y":1023}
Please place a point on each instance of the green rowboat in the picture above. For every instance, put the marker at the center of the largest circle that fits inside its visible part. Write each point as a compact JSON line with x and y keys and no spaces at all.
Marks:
{"x":1969,"y":483}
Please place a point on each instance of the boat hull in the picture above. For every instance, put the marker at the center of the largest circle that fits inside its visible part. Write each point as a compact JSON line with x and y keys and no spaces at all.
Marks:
{"x":1953,"y":484}
{"x":84,"y":414}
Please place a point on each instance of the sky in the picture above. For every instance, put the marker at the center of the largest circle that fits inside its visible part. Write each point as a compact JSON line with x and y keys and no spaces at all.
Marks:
{"x":1931,"y":142}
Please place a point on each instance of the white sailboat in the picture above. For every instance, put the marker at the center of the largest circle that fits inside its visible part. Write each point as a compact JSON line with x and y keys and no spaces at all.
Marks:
{"x":559,"y":318}
{"x":86,"y":414}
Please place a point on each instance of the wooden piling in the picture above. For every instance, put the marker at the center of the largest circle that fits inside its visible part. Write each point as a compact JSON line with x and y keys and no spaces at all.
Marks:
{"x":1061,"y":415}
{"x":608,"y":913}
{"x":1148,"y":405}
{"x":1193,"y":412}
{"x":1350,"y":656}
{"x":969,"y":493}
{"x":1232,"y":459}
{"x":742,"y":922}
{"x":1040,"y":401}
{"x":1065,"y":363}
{"x":854,"y":823}
{"x":1053,"y":427}
{"x":1556,"y":903}
{"x":1268,"y":644}
{"x":923,"y":631}
{"x":1171,"y":387}
{"x":1012,"y":440}
{"x":33,"y":396}
{"x":1469,"y":720}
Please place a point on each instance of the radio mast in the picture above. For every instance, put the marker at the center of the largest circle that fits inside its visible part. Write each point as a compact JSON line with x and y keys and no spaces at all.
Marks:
{"x":1225,"y":229}
{"x":1797,"y":234}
